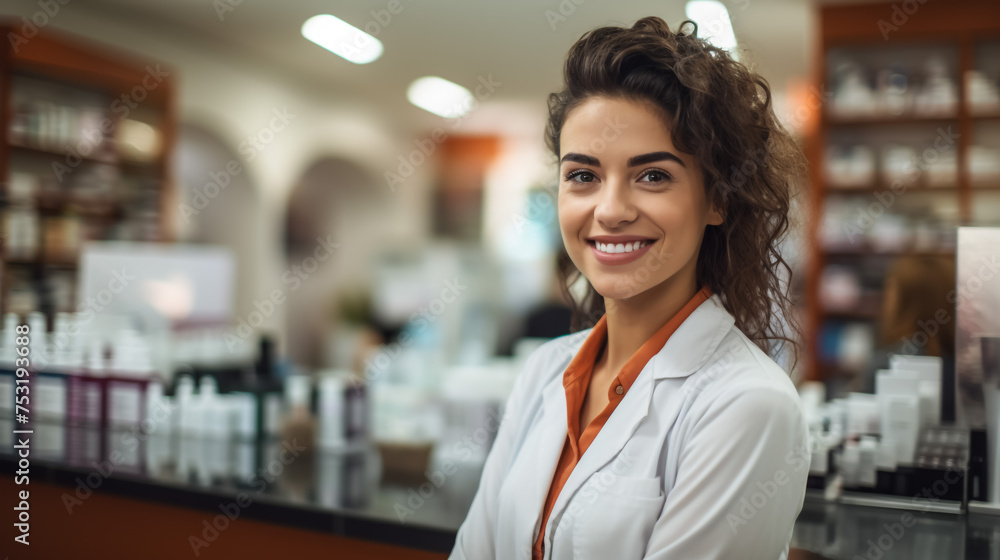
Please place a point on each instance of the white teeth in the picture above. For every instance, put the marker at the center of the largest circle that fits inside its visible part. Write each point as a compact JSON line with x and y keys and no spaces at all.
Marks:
{"x":613,"y":248}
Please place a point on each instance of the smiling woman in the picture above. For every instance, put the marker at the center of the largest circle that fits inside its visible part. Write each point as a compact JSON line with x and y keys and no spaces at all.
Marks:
{"x":650,"y":434}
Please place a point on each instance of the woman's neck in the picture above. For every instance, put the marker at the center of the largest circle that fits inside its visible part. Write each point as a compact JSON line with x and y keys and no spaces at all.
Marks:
{"x":633,"y":321}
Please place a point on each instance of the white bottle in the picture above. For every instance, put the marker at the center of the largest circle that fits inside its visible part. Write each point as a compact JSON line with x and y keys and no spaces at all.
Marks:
{"x":130,"y":373}
{"x":215,"y":414}
{"x":158,"y":411}
{"x":332,"y":412}
{"x":184,"y":401}
{"x":214,"y":430}
{"x":900,"y":413}
{"x":94,"y":394}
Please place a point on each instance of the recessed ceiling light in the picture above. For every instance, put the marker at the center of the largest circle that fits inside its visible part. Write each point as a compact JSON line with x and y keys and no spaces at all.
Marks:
{"x":439,"y":96}
{"x":713,"y":22}
{"x":342,"y":39}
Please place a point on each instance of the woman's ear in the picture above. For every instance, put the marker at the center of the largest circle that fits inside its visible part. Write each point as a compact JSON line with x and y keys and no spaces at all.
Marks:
{"x":715,"y":216}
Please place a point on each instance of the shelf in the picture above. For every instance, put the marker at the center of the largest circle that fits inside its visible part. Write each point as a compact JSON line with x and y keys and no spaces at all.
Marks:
{"x":850,"y":314}
{"x":832,"y":120}
{"x":57,"y":203}
{"x":61,"y":155}
{"x":868,"y":189}
{"x":67,"y":71}
{"x":953,"y":31}
{"x":61,"y":263}
{"x":874,"y":253}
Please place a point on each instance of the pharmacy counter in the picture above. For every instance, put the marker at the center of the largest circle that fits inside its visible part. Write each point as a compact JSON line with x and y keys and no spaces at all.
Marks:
{"x":208,"y":498}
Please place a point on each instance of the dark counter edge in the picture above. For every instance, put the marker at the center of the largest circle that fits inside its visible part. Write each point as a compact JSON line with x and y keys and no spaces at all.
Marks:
{"x":340,"y":523}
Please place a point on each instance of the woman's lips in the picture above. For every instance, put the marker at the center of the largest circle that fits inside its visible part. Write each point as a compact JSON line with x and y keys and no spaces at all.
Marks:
{"x":618,"y":258}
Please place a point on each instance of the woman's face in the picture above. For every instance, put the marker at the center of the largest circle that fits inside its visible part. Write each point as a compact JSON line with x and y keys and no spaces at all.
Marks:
{"x":632,"y":207}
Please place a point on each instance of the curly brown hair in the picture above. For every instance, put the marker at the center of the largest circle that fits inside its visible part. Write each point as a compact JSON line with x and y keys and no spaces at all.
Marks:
{"x":720,"y":112}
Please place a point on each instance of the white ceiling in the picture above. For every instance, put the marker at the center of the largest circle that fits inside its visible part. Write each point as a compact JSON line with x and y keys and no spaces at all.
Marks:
{"x":456,"y":39}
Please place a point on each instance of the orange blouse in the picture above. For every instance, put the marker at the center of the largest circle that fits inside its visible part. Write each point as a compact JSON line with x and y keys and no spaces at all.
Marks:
{"x":577,"y":378}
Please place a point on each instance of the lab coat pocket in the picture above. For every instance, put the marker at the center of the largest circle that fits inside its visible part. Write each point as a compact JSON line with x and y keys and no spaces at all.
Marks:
{"x":618,"y":518}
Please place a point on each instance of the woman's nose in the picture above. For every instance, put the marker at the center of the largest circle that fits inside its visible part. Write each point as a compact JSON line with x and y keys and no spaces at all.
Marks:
{"x":614,"y":205}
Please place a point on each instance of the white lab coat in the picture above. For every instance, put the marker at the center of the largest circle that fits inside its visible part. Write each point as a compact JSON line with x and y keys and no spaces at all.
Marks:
{"x":705,"y":458}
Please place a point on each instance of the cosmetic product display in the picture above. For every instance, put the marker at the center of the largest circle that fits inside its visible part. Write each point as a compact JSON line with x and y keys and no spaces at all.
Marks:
{"x":848,"y":226}
{"x":982,"y":93}
{"x":8,"y":357}
{"x":888,"y":449}
{"x":978,"y":482}
{"x":298,"y":423}
{"x":850,"y":167}
{"x":49,"y":389}
{"x":129,"y":374}
{"x":983,"y":165}
{"x":927,"y":89}
{"x":988,"y":498}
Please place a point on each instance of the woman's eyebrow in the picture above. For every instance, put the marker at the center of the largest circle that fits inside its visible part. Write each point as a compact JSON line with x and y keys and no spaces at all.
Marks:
{"x":654,"y":156}
{"x":581,"y":158}
{"x":632,"y":162}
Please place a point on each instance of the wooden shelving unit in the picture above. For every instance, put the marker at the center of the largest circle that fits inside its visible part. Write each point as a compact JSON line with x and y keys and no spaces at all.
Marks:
{"x":958,"y":29}
{"x":86,"y":151}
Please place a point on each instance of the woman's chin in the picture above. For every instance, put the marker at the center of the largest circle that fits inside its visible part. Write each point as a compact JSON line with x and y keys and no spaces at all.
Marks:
{"x":612,"y":290}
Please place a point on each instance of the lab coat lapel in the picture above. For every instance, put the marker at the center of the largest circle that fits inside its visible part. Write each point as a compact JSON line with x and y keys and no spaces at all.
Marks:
{"x":546,"y":450}
{"x":684,"y":353}
{"x":613,"y":435}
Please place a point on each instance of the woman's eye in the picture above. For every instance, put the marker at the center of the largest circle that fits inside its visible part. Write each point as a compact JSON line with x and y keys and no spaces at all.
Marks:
{"x":581,"y":176}
{"x":655,"y":176}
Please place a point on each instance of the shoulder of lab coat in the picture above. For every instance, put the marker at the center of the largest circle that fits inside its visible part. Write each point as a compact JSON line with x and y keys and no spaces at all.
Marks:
{"x":475,"y":538}
{"x":742,"y":461}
